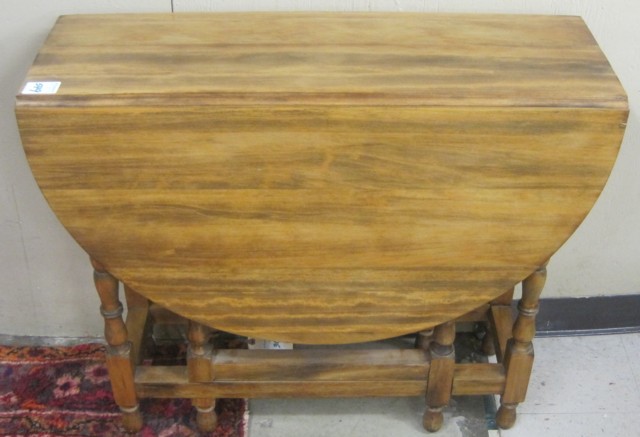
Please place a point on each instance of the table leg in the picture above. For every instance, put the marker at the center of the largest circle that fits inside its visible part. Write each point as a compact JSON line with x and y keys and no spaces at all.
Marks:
{"x":518,"y":360}
{"x":440,"y":375}
{"x":119,"y":362}
{"x":199,"y":367}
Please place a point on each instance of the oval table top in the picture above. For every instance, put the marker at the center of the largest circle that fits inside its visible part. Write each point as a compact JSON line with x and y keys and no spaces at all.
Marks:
{"x":321,"y":178}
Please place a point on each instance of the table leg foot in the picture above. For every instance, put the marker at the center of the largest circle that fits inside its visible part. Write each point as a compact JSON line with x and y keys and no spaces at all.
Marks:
{"x":206,"y":419}
{"x":131,"y":419}
{"x":506,"y":416}
{"x":432,"y":419}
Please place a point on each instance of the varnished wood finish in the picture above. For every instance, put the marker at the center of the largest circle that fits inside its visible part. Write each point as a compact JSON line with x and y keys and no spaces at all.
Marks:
{"x":199,"y":370}
{"x":321,"y":365}
{"x":282,"y":389}
{"x":322,"y":178}
{"x":159,"y":381}
{"x":137,"y":322}
{"x":518,"y":358}
{"x":478,"y":379}
{"x":441,"y":374}
{"x":311,"y":58}
{"x":499,"y":330}
{"x":477,"y":315}
{"x":504,"y":299}
{"x":339,"y":375}
{"x":501,"y":323}
{"x":119,"y":360}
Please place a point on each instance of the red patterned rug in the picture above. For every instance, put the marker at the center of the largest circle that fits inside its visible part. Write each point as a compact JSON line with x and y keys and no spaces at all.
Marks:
{"x":65,"y":391}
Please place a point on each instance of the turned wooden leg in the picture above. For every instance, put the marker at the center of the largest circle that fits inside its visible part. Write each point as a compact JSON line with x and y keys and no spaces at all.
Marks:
{"x":440,"y":375}
{"x":199,"y":366}
{"x":119,"y":363}
{"x":518,"y":360}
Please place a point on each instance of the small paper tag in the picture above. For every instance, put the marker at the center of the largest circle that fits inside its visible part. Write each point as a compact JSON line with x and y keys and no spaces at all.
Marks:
{"x":41,"y":87}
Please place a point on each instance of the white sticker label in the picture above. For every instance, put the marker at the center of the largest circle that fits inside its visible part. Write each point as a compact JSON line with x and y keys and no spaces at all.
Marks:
{"x":41,"y":87}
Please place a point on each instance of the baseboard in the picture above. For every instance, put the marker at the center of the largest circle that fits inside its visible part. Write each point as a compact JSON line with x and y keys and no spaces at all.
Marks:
{"x":588,"y":315}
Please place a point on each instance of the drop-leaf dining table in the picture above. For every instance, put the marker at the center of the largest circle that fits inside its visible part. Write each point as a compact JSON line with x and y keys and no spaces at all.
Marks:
{"x":321,"y":178}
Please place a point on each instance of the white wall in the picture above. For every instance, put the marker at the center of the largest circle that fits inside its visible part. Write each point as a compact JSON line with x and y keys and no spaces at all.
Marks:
{"x":45,"y":279}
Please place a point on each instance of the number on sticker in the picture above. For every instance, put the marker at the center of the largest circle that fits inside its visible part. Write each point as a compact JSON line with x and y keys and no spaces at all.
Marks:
{"x":41,"y":88}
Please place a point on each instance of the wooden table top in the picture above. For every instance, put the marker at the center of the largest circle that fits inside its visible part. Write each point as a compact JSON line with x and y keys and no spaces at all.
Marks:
{"x":321,"y":178}
{"x":312,"y":58}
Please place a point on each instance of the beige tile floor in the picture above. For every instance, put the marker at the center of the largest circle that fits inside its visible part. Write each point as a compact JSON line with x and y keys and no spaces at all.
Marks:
{"x":581,"y":387}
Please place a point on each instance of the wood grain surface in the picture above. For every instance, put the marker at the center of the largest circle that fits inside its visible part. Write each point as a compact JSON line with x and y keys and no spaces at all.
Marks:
{"x":172,"y":381}
{"x":329,"y":58}
{"x":322,"y":178}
